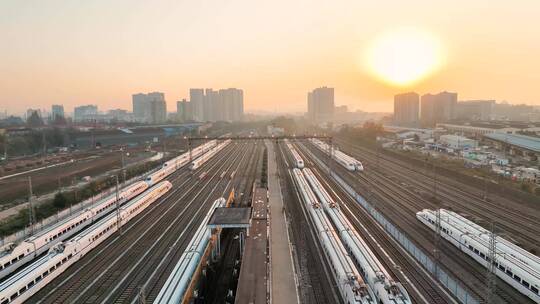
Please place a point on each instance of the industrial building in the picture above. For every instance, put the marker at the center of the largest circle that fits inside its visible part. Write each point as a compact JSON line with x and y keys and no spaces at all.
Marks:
{"x":458,"y":142}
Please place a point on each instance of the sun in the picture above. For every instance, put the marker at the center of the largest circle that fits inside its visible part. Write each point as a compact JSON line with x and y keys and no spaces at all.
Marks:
{"x":404,"y":56}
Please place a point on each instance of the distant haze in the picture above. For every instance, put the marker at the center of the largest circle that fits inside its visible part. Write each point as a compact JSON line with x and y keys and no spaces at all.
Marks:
{"x":101,"y":52}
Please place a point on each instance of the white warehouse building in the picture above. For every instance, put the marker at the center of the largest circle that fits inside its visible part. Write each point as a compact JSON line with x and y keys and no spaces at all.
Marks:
{"x":458,"y":142}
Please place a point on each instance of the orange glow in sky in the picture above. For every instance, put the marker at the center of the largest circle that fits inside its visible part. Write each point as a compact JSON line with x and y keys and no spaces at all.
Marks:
{"x":101,"y":52}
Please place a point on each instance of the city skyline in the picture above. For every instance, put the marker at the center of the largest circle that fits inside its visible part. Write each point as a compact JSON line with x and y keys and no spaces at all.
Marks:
{"x":114,"y":55}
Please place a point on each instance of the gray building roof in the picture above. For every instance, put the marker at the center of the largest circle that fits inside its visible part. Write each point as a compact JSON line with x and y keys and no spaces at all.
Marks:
{"x":521,"y":141}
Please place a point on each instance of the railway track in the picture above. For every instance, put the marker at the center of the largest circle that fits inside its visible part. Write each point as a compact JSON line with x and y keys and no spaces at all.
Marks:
{"x":97,"y":273}
{"x":387,"y":194}
{"x":314,"y":279}
{"x":518,"y":221}
{"x":224,"y":270}
{"x":421,"y":288}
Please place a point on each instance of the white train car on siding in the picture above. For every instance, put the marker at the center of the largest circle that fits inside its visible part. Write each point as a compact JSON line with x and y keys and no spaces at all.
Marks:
{"x":350,"y":163}
{"x":17,"y":255}
{"x":172,"y":165}
{"x":385,"y":289}
{"x":512,"y":265}
{"x":298,"y":161}
{"x":31,"y":279}
{"x":349,"y":281}
{"x":208,"y":155}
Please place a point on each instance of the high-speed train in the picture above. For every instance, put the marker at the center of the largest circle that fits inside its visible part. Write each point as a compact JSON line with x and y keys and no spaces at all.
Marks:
{"x":298,"y":161}
{"x":35,"y":276}
{"x":174,"y":289}
{"x":172,"y":165}
{"x":349,"y":281}
{"x":349,"y":162}
{"x":513,"y":264}
{"x":383,"y":286}
{"x":16,"y":255}
{"x":195,"y":164}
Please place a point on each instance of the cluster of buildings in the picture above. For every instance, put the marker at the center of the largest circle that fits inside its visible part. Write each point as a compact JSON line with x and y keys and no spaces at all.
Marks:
{"x":412,"y":110}
{"x":205,"y":105}
{"x":321,"y":109}
{"x":149,"y":108}
{"x":321,"y":105}
{"x":212,"y":105}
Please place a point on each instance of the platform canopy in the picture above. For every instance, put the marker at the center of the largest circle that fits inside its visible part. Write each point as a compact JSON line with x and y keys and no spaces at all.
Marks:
{"x":230,"y":218}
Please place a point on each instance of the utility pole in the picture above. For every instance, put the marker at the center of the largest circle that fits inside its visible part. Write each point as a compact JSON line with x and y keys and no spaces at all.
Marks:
{"x":434,"y":182}
{"x":189,"y":149}
{"x":123,"y":168}
{"x":44,"y":143}
{"x":5,"y":147}
{"x":437,"y":242}
{"x":378,"y":156}
{"x":485,"y":196}
{"x":163,"y":157}
{"x":492,"y":259}
{"x":30,"y":206}
{"x":118,"y":218}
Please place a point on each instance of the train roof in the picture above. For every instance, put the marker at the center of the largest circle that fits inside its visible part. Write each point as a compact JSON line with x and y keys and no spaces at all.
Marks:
{"x":26,"y":271}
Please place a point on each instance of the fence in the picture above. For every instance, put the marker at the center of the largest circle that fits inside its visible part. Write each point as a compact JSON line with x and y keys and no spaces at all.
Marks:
{"x":447,"y":280}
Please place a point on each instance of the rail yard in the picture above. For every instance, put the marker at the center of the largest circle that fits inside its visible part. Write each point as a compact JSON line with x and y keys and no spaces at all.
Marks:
{"x":359,"y":227}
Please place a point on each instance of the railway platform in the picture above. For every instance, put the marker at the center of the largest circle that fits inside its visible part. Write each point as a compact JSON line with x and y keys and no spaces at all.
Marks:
{"x":283,"y":283}
{"x":253,"y":280}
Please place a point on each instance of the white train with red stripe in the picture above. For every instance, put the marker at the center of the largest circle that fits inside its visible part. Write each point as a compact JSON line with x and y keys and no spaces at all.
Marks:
{"x":16,"y":255}
{"x":25,"y":283}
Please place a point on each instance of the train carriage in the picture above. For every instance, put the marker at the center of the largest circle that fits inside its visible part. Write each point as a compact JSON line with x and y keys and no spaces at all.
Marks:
{"x":512,"y":265}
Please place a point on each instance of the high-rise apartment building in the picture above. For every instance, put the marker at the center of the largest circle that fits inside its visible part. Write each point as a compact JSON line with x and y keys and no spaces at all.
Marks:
{"x":140,"y":107}
{"x":196,"y":97}
{"x":158,"y":107}
{"x":221,"y":105}
{"x":232,"y":104}
{"x":57,"y":112}
{"x":436,"y":108}
{"x":475,"y":109}
{"x":29,"y":113}
{"x":212,"y":103}
{"x":406,"y":109}
{"x":150,"y":108}
{"x":184,"y":110}
{"x":321,"y":104}
{"x":85,"y":113}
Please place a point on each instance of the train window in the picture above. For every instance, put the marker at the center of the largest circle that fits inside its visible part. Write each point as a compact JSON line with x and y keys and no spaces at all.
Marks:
{"x":5,"y":301}
{"x":30,"y":284}
{"x":482,"y":255}
{"x":22,"y":290}
{"x":64,"y":260}
{"x":13,"y":296}
{"x":58,"y":264}
{"x":39,"y":279}
{"x":501,"y":267}
{"x":534,"y":289}
{"x":525,"y":283}
{"x":508,"y":272}
{"x":517,"y":278}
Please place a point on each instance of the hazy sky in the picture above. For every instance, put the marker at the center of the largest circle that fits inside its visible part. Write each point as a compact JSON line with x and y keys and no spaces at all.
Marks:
{"x":100,"y":52}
